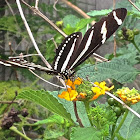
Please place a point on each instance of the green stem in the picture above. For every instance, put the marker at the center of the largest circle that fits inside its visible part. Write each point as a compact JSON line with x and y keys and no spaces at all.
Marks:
{"x":120,"y":125}
{"x":134,"y":43}
{"x":113,"y":127}
{"x":88,"y":111}
{"x":13,"y":128}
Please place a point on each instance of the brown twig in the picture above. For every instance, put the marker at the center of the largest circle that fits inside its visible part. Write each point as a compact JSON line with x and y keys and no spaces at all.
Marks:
{"x":45,"y":18}
{"x":114,"y":35}
{"x":134,"y":5}
{"x":31,"y":119}
{"x":8,"y":102}
{"x":76,"y":114}
{"x":54,"y":5}
{"x":115,"y":46}
{"x":36,"y":4}
{"x":11,"y":102}
{"x":11,"y":10}
{"x":11,"y":53}
{"x":77,"y":9}
{"x":114,"y":3}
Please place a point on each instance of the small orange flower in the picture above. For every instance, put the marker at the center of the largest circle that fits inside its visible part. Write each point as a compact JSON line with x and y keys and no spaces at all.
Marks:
{"x":69,"y":82}
{"x":78,"y":81}
{"x":81,"y":96}
{"x":69,"y":96}
{"x":71,"y":93}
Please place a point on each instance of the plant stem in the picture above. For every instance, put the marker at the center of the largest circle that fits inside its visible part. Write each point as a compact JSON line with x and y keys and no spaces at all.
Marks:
{"x":134,"y":43}
{"x":113,"y":127}
{"x":13,"y":128}
{"x":88,"y":111}
{"x":76,"y":114}
{"x":120,"y":125}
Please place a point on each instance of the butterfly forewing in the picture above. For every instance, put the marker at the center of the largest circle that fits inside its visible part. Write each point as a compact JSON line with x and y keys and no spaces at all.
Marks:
{"x":98,"y":34}
{"x":66,"y":52}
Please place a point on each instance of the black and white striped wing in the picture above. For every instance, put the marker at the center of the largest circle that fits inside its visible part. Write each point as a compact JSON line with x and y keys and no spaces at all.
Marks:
{"x":98,"y":34}
{"x":25,"y":64}
{"x":66,"y":52}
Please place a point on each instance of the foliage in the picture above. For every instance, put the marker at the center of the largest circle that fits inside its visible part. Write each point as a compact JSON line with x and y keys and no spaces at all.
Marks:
{"x":57,"y":117}
{"x":46,"y":100}
{"x":102,"y":117}
{"x":118,"y":69}
{"x":131,"y":125}
{"x":84,"y":133}
{"x":74,"y":24}
{"x":99,"y":13}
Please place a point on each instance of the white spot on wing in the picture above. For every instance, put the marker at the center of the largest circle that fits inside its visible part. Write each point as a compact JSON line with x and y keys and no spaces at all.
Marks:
{"x":119,"y":21}
{"x":68,"y":56}
{"x":60,"y":53}
{"x":103,"y":32}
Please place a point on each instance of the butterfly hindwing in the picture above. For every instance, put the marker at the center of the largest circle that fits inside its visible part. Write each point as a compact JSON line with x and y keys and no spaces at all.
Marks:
{"x":66,"y":52}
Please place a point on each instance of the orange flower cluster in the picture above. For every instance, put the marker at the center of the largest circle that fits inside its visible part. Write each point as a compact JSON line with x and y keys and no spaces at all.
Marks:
{"x":129,"y":96}
{"x":71,"y":93}
{"x":85,"y":92}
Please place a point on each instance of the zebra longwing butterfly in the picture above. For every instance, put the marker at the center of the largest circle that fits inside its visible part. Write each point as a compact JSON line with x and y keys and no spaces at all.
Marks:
{"x":74,"y":50}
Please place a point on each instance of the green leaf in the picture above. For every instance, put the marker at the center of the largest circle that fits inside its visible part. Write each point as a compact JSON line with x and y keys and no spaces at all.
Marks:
{"x":119,"y":137}
{"x":83,"y":22}
{"x":70,"y":20}
{"x":52,"y":119}
{"x":135,"y":136}
{"x":50,"y":54}
{"x":68,"y":105}
{"x":129,"y":53}
{"x":135,"y":14}
{"x":69,"y":30}
{"x":46,"y":100}
{"x":119,"y":69}
{"x":89,"y":133}
{"x":52,"y":134}
{"x":131,"y":125}
{"x":99,"y":13}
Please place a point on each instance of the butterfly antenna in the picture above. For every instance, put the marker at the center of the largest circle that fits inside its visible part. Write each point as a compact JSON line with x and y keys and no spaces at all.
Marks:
{"x":54,"y":43}
{"x":58,"y":86}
